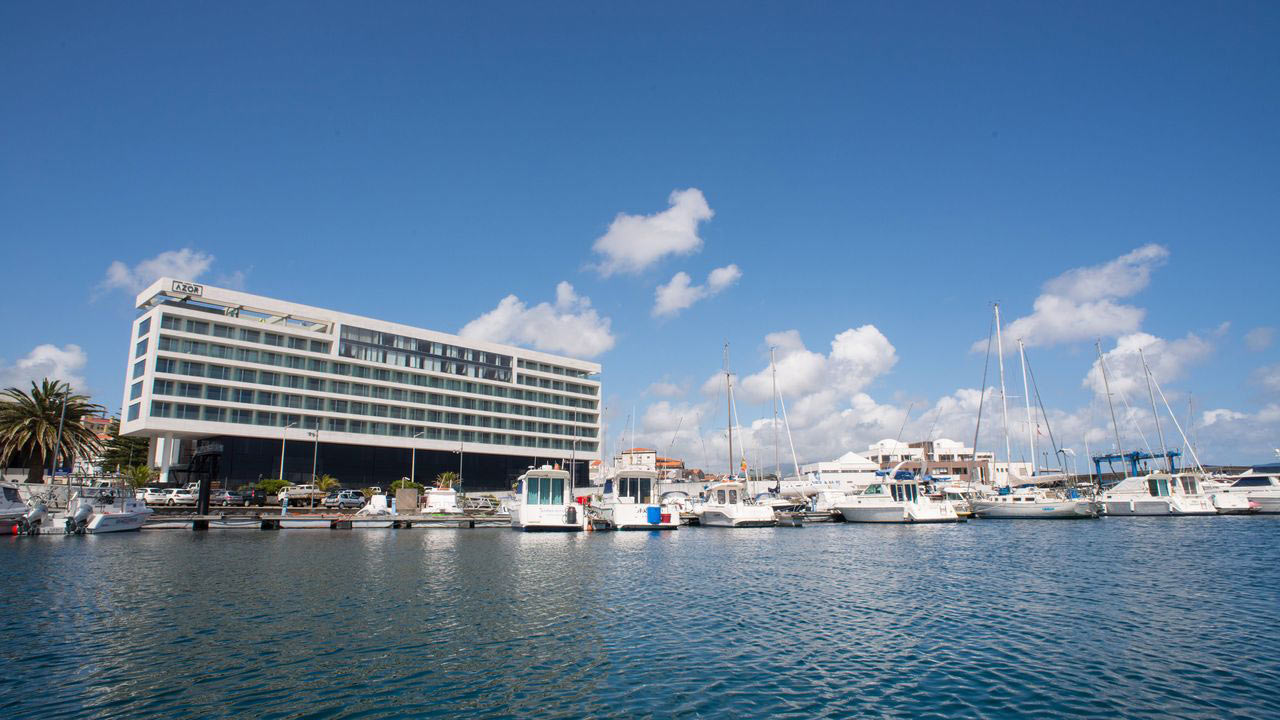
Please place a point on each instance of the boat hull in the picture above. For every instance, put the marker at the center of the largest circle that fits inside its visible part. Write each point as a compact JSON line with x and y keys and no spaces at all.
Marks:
{"x":895,"y":514}
{"x":115,"y":522}
{"x":1152,"y":508}
{"x":1055,"y":510}
{"x":720,"y":518}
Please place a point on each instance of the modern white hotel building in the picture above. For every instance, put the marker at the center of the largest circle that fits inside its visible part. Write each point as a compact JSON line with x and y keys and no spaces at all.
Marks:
{"x":224,"y":383}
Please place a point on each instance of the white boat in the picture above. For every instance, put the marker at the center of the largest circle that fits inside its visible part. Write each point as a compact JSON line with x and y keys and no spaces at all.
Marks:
{"x":544,"y":501}
{"x":1158,"y":494}
{"x":1264,"y":490}
{"x":628,"y":504}
{"x":105,"y":511}
{"x":896,"y":501}
{"x":12,"y":508}
{"x":726,"y":505}
{"x":1033,"y":503}
{"x":441,"y":500}
{"x":305,"y":522}
{"x":375,"y":514}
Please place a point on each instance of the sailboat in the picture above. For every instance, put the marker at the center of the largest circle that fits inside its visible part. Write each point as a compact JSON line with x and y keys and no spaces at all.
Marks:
{"x":1028,"y":498}
{"x":727,"y":504}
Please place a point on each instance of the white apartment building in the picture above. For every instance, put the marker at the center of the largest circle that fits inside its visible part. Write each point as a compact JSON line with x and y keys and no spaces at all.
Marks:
{"x":945,"y":457}
{"x":227,"y":383}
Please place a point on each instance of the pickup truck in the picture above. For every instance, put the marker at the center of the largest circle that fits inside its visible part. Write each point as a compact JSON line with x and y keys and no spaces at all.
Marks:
{"x":301,"y":494}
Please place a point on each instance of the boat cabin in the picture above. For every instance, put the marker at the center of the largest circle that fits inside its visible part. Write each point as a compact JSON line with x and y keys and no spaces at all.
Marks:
{"x":632,"y":486}
{"x":543,"y":487}
{"x":896,"y":491}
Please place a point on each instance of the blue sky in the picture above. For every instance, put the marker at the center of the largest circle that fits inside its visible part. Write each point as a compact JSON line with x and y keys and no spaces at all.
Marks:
{"x":898,"y":166}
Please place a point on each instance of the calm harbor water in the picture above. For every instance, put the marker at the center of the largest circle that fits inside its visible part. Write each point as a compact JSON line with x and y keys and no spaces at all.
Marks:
{"x":1140,"y":617}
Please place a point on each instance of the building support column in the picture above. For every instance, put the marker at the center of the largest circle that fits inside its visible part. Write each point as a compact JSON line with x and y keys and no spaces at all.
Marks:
{"x":166,"y":450}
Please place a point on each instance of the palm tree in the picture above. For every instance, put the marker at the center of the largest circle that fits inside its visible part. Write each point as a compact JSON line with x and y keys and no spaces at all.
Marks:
{"x":446,"y":479}
{"x":29,"y":424}
{"x":327,"y":483}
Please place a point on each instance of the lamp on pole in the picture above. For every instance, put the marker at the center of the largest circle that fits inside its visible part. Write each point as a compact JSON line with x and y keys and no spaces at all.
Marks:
{"x":284,"y":435}
{"x":315,"y":451}
{"x":460,"y":462}
{"x":413,"y":463}
{"x":573,"y":462}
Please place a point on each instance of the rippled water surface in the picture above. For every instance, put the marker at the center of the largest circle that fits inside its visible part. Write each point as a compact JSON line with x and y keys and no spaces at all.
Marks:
{"x":1141,"y":617}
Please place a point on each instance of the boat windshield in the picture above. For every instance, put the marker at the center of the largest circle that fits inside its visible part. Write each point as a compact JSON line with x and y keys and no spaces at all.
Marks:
{"x":1189,"y":486}
{"x":11,"y":494}
{"x":733,"y":497}
{"x":1242,"y":482}
{"x":1158,"y":487}
{"x":545,"y":491}
{"x":905,"y":493}
{"x":720,"y":496}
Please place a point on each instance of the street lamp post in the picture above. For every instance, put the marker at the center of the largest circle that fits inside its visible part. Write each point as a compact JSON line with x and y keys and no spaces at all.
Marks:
{"x":284,"y":435}
{"x":460,"y":449}
{"x":315,"y":452}
{"x":413,"y":463}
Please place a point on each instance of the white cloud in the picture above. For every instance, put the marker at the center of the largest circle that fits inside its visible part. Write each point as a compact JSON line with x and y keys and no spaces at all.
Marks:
{"x":634,"y":242}
{"x":184,"y":264}
{"x":1169,"y":360}
{"x":46,"y":361}
{"x":1268,"y":377}
{"x":663,"y":388}
{"x":680,"y":293}
{"x":570,"y":325}
{"x":1081,"y":303}
{"x":1259,"y":338}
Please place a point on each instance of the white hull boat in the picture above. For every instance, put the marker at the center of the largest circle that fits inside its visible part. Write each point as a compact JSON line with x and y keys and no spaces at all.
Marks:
{"x":628,"y":504}
{"x":544,"y":502}
{"x":896,"y":502}
{"x":441,"y":501}
{"x":1262,"y":491}
{"x":1158,"y":494}
{"x":726,"y":506}
{"x":370,"y":523}
{"x":1033,"y":504}
{"x":106,"y":512}
{"x":305,"y":523}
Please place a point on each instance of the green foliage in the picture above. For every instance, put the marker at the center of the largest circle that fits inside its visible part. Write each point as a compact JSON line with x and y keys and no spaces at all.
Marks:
{"x":446,"y":479}
{"x":123,"y":452}
{"x":368,"y":492}
{"x":327,"y":483}
{"x":272,"y":486}
{"x":29,"y":423}
{"x":404,"y":483}
{"x":136,"y":476}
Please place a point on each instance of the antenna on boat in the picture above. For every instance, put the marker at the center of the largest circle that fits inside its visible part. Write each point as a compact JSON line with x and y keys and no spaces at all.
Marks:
{"x":1168,"y":462}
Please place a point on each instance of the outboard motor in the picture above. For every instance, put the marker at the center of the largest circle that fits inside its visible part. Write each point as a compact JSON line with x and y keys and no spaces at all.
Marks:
{"x":30,"y":523}
{"x":77,"y":521}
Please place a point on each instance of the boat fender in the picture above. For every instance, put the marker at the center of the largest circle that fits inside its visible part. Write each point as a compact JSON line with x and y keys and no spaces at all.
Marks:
{"x":571,"y":515}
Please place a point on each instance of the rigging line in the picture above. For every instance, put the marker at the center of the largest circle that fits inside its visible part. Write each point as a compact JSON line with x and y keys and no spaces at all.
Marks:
{"x":982,"y":396}
{"x":1173,"y":417}
{"x":1131,"y":414}
{"x":904,"y":420}
{"x":1045,"y":413}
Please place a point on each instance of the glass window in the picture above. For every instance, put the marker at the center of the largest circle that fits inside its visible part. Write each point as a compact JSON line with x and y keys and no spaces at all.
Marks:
{"x":199,"y":327}
{"x":213,"y":392}
{"x":535,"y":490}
{"x":248,"y":335}
{"x":733,"y":497}
{"x":135,"y":390}
{"x":273,"y":339}
{"x":144,"y":327}
{"x":133,"y":411}
{"x":223,"y":331}
{"x":164,"y":365}
{"x":139,"y":367}
{"x":720,"y":497}
{"x":557,"y":491}
{"x":162,"y":387}
{"x":213,"y":414}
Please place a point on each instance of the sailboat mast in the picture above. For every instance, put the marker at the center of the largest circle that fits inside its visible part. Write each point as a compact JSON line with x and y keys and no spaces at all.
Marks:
{"x":1168,"y":464}
{"x":777,"y":466}
{"x":1031,"y":433}
{"x":728,"y":398}
{"x":1004,"y":402}
{"x":1106,"y":385}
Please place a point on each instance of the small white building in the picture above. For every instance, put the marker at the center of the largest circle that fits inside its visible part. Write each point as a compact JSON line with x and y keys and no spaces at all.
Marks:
{"x":636,"y":458}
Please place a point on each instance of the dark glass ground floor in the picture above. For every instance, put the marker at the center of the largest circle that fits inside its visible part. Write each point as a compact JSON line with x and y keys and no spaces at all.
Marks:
{"x":239,"y":461}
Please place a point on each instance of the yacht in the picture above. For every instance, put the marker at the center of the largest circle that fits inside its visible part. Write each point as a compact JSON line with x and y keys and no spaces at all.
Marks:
{"x":628,"y":503}
{"x":726,"y":505}
{"x":105,"y":511}
{"x":1034,"y":503}
{"x":1263,"y":490}
{"x":544,"y":501}
{"x":1158,"y":494}
{"x":896,"y":501}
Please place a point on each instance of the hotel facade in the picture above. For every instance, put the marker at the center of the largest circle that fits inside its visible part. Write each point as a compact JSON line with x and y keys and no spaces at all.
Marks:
{"x":226,"y":384}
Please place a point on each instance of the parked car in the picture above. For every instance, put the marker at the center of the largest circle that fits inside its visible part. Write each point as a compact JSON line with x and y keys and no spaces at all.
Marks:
{"x":252,"y":496}
{"x":301,"y":494}
{"x":345,"y":499}
{"x":179,"y":496}
{"x":154,"y":495}
{"x":225,"y":498}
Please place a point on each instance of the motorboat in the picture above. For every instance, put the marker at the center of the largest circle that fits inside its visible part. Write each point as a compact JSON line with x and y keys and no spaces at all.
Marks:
{"x":628,"y":503}
{"x":375,"y":514}
{"x":1264,"y":490}
{"x":440,"y":500}
{"x":726,"y":505}
{"x":896,"y":501}
{"x":105,"y":511}
{"x":1031,"y":502}
{"x":12,"y":508}
{"x":1159,"y":494}
{"x":543,"y":500}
